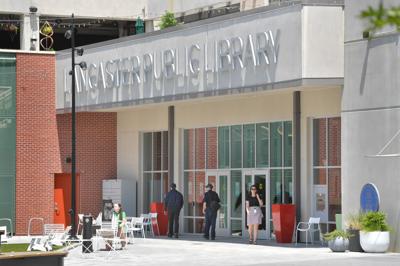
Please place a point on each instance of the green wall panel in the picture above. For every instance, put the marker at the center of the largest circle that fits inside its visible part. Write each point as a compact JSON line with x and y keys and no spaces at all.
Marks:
{"x":7,"y":136}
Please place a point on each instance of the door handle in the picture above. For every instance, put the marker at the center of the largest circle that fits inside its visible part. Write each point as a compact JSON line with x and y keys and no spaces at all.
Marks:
{"x":56,"y":208}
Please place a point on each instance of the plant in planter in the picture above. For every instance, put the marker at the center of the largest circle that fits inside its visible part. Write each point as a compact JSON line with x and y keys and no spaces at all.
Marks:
{"x":353,"y":222}
{"x":375,"y":232}
{"x":338,"y":240}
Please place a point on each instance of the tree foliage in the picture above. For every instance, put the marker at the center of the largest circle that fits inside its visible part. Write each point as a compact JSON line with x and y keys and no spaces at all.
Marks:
{"x":168,"y":20}
{"x":380,"y":17}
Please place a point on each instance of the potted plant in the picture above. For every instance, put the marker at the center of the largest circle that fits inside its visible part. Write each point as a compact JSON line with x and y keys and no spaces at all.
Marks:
{"x":338,"y":240}
{"x":353,"y":228}
{"x":375,"y":232}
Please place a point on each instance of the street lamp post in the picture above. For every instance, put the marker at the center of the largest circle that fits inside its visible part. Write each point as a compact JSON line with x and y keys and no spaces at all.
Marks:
{"x":70,"y":34}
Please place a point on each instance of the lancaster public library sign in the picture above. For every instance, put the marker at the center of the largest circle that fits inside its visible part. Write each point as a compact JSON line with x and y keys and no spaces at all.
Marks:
{"x":243,"y":50}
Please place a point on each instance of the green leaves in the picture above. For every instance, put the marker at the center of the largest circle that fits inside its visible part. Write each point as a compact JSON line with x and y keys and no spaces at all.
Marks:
{"x":380,"y":17}
{"x":374,"y":221}
{"x":337,"y":234}
{"x":168,"y":20}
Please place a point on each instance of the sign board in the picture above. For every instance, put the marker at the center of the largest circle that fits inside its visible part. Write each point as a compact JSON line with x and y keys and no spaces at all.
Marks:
{"x":239,"y":52}
{"x":369,"y":198}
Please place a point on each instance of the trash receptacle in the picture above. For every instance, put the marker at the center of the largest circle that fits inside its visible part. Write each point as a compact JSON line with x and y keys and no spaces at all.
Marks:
{"x":87,"y":246}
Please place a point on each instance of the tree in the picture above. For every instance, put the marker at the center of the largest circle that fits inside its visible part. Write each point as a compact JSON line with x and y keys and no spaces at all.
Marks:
{"x":380,"y":17}
{"x":168,"y":20}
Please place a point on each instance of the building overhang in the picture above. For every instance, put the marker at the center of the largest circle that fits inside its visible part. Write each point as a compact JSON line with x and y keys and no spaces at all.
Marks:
{"x":262,"y":49}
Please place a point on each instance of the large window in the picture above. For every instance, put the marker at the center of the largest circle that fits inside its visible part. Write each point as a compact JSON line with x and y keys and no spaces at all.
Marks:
{"x":7,"y":136}
{"x":327,"y":169}
{"x":155,"y":167}
{"x":236,"y":148}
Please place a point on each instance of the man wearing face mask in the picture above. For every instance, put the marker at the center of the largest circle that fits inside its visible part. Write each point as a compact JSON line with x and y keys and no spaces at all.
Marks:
{"x":210,"y":209}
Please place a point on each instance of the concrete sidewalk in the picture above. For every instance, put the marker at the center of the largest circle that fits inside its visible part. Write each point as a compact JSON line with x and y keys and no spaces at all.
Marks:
{"x":193,"y":250}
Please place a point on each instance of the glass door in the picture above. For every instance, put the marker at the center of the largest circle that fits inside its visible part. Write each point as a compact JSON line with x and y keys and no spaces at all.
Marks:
{"x":220,"y":181}
{"x":194,"y":187}
{"x":259,"y":178}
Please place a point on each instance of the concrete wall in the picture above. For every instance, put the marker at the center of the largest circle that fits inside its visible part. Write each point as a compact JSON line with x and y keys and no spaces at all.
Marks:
{"x":259,"y":107}
{"x":322,"y":43}
{"x":371,"y":116}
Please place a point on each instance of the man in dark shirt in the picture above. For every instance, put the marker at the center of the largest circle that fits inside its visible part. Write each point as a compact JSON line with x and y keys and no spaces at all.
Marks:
{"x":210,"y":210}
{"x":173,"y":204}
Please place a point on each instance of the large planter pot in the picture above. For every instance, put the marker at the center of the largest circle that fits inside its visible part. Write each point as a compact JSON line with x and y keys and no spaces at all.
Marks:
{"x":283,"y":219}
{"x":354,"y":240}
{"x":338,"y":244}
{"x":375,"y":242}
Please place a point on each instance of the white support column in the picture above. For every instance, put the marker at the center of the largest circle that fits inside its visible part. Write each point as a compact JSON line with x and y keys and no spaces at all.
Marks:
{"x":30,"y":32}
{"x":149,"y":26}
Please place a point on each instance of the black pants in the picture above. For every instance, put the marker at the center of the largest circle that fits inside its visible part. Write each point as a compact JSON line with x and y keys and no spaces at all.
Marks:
{"x":211,"y":220}
{"x":173,"y":222}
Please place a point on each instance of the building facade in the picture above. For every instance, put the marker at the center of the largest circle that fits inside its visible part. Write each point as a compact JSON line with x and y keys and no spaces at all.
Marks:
{"x":287,"y":97}
{"x":248,"y":98}
{"x":370,"y":114}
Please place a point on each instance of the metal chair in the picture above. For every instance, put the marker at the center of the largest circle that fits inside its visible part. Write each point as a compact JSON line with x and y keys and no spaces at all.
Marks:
{"x":134,"y":225}
{"x":154,"y":221}
{"x":9,"y":221}
{"x":147,"y":223}
{"x":80,"y":223}
{"x":310,"y":227}
{"x":54,"y":229}
{"x":35,"y":219}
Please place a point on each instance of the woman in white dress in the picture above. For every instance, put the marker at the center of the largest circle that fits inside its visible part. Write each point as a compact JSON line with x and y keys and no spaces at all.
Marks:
{"x":254,"y":213}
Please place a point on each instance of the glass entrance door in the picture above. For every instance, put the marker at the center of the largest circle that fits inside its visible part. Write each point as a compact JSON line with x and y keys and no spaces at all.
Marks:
{"x":193,"y":218}
{"x":194,"y":189}
{"x":220,"y":181}
{"x":259,"y":178}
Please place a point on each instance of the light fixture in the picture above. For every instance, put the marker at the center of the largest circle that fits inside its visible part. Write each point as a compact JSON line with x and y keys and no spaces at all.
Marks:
{"x":79,"y":51}
{"x":68,"y":34}
{"x":33,"y":9}
{"x":83,"y":65}
{"x":33,"y":44}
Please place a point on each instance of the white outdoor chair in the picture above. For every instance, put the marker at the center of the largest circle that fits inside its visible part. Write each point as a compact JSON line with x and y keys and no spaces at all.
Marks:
{"x":9,"y":221}
{"x":111,"y":239}
{"x":59,"y":238}
{"x":134,"y":224}
{"x":154,"y":220}
{"x":147,"y":223}
{"x":50,"y":229}
{"x":310,"y":227}
{"x":80,"y":223}
{"x":35,"y":219}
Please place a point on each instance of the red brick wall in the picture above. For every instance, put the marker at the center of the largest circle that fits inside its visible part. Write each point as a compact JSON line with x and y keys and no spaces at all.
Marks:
{"x":43,"y":142}
{"x":96,"y":144}
{"x":37,"y":150}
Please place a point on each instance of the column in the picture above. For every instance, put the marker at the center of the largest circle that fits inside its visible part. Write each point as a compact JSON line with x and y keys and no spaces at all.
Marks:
{"x":29,"y":34}
{"x":171,"y":144}
{"x":297,"y":152}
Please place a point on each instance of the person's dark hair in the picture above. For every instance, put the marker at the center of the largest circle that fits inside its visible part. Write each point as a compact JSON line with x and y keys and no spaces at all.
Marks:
{"x":120,"y":211}
{"x":251,"y":187}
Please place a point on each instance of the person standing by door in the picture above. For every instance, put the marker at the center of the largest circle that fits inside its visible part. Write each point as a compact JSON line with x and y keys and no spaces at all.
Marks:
{"x":211,"y":204}
{"x":173,"y":204}
{"x":254,"y":213}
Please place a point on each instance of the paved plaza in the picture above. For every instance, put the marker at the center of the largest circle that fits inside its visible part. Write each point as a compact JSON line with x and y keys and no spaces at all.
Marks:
{"x":192,"y":250}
